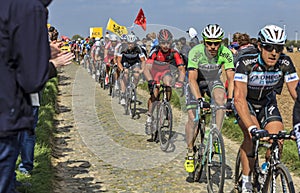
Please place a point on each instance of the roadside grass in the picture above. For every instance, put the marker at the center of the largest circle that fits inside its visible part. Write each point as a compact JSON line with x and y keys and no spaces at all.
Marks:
{"x":42,"y":175}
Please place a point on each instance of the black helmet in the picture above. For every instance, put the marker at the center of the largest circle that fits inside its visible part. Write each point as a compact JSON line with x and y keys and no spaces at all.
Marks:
{"x":165,"y":35}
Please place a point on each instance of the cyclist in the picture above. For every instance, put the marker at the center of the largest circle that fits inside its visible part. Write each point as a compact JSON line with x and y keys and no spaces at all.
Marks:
{"x":130,"y":54}
{"x":258,"y":78}
{"x":296,"y":117}
{"x":158,"y":68}
{"x":205,"y":63}
{"x":109,"y":54}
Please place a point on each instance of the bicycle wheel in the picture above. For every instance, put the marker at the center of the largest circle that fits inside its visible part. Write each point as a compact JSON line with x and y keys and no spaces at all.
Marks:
{"x":238,"y":174}
{"x":200,"y":147}
{"x":127,"y":100}
{"x":132,"y":106}
{"x":164,"y":125}
{"x":153,"y":128}
{"x":216,"y":162}
{"x":279,"y":180}
{"x":111,"y":84}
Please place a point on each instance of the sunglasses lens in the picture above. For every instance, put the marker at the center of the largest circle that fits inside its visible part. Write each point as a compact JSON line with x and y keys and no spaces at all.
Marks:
{"x":270,"y":47}
{"x":213,"y":43}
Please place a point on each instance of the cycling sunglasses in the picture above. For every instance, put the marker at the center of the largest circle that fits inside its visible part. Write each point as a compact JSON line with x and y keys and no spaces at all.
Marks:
{"x":164,"y":42}
{"x":271,"y":47}
{"x":210,"y":43}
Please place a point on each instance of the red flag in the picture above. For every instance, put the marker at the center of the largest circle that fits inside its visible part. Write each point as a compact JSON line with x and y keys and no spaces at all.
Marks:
{"x":141,"y":19}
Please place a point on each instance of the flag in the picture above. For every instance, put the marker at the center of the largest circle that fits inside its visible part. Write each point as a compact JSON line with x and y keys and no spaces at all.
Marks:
{"x":116,"y":28}
{"x":141,"y":19}
{"x":96,"y":32}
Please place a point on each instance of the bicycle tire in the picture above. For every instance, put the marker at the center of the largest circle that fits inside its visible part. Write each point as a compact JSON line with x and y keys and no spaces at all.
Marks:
{"x":216,"y":163}
{"x":283,"y":180}
{"x":111,"y":84}
{"x":238,"y":174}
{"x":127,"y":100}
{"x":132,"y":106}
{"x":164,"y":125}
{"x":154,"y":114}
{"x":200,"y":146}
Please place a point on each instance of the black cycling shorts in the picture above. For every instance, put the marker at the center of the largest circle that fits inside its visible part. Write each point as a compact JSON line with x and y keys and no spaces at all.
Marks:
{"x":205,"y":87}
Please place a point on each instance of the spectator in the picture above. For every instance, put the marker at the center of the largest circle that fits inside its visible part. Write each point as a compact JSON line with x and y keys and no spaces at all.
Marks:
{"x":24,"y":67}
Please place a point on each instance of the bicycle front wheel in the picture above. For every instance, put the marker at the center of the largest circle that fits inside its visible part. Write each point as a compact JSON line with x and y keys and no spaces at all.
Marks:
{"x":238,"y":174}
{"x":132,"y":106}
{"x":280,"y":180}
{"x":164,"y":126}
{"x":216,"y":162}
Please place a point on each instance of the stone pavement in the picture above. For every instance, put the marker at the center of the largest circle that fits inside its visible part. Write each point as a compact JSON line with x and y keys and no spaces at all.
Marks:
{"x":99,"y":149}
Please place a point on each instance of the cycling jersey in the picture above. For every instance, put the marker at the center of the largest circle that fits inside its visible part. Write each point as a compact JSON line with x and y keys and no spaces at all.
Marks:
{"x":131,"y":56}
{"x":209,"y":69}
{"x":111,"y":51}
{"x":262,"y":82}
{"x":161,"y":62}
{"x":296,"y":110}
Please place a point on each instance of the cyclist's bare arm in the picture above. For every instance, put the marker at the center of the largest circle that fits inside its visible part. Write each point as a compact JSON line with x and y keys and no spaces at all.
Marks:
{"x":193,"y":75}
{"x":241,"y":105}
{"x":230,"y":78}
{"x":292,"y":88}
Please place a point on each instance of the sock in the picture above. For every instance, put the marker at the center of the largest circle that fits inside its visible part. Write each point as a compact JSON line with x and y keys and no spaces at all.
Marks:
{"x":246,"y":182}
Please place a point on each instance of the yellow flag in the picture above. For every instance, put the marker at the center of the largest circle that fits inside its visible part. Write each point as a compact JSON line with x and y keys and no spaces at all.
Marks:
{"x":96,"y":32}
{"x":116,"y":28}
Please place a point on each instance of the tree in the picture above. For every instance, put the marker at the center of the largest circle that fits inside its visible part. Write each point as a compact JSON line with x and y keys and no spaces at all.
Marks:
{"x":75,"y":37}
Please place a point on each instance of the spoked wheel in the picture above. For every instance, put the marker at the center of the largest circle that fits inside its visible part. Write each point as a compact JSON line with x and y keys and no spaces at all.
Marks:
{"x":238,"y":174}
{"x":127,"y":100}
{"x":200,"y":148}
{"x":280,"y":180}
{"x":133,"y":102}
{"x":216,"y":162}
{"x":152,"y":129}
{"x":111,"y":85}
{"x":102,"y":76}
{"x":164,"y":126}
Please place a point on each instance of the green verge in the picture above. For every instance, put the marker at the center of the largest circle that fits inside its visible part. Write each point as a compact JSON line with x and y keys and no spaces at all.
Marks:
{"x":232,"y":131}
{"x":42,"y":175}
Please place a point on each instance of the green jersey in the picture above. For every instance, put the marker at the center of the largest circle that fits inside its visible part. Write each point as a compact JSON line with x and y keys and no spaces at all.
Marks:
{"x":210,"y":68}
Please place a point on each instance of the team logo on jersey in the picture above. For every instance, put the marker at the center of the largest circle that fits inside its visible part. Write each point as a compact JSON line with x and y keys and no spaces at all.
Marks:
{"x":227,"y":56}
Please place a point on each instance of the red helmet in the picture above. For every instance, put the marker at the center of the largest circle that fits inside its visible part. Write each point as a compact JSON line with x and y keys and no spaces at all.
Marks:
{"x":165,"y":35}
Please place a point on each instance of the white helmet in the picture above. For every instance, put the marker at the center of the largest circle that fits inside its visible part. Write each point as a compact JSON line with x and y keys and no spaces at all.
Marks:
{"x":212,"y":31}
{"x":272,"y":34}
{"x":113,"y":37}
{"x":97,"y":39}
{"x":192,"y":32}
{"x":131,"y":38}
{"x":107,"y":36}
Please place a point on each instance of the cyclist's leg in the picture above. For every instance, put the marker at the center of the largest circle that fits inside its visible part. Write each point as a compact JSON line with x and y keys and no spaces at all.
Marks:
{"x":136,"y":75}
{"x":271,"y":121}
{"x":245,"y":150}
{"x":218,"y":94}
{"x":167,"y":80}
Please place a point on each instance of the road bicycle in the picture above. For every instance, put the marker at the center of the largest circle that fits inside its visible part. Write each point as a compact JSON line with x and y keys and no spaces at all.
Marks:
{"x":209,"y":149}
{"x":275,"y":176}
{"x":162,"y":119}
{"x":130,"y":92}
{"x":112,"y":81}
{"x":102,"y":74}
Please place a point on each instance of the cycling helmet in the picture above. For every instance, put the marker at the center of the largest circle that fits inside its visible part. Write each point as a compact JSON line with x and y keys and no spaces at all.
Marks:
{"x":212,"y":31}
{"x":165,"y":35}
{"x":124,"y":37}
{"x":97,"y":39}
{"x":131,"y":38}
{"x":113,"y":37}
{"x":107,"y":36}
{"x":272,"y":34}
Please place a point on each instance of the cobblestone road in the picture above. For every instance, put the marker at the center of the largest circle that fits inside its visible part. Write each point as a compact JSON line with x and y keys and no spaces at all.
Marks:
{"x":99,"y":149}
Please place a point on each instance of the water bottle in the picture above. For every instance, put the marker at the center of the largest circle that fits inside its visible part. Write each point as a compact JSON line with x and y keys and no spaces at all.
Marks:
{"x":297,"y":133}
{"x":264,"y":167}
